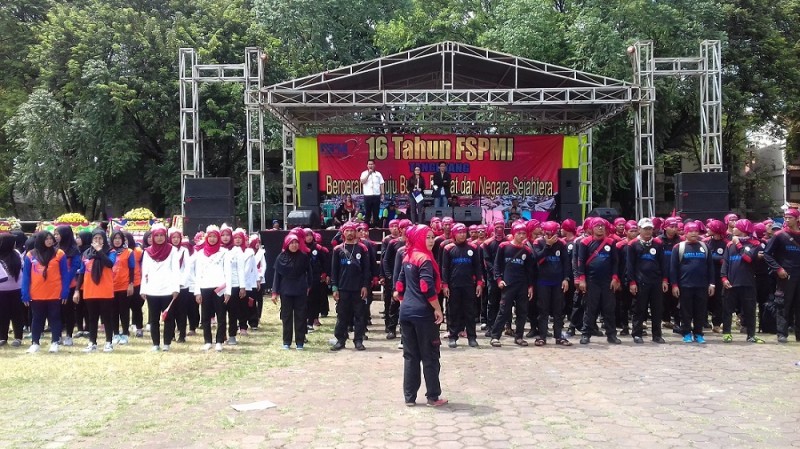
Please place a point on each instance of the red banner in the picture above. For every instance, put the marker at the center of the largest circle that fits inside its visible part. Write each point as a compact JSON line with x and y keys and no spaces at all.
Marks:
{"x":480,"y":166}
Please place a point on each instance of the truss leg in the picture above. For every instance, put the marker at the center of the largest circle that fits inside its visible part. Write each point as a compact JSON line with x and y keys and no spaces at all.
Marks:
{"x":190,"y":152}
{"x":711,"y":106}
{"x":256,"y":208}
{"x":644,"y":145}
{"x":289,"y":185}
{"x":585,"y":171}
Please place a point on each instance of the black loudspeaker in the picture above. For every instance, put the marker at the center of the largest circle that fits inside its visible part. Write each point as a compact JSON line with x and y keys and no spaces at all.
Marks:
{"x":440,"y":212}
{"x":207,"y":201}
{"x":570,"y":210}
{"x":609,"y":213}
{"x":702,"y":182}
{"x":193,"y":224}
{"x":467,"y":215}
{"x":304,"y":217}
{"x":569,"y":185}
{"x":272,"y":241}
{"x":693,"y":201}
{"x":309,"y":188}
{"x":704,"y":215}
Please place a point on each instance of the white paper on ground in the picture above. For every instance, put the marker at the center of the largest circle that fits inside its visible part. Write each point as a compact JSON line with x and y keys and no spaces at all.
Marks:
{"x":260,"y":405}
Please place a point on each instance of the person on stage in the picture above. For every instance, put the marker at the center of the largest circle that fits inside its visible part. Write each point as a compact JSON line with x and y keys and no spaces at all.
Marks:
{"x":372,"y":185}
{"x":441,"y":186}
{"x":416,"y":184}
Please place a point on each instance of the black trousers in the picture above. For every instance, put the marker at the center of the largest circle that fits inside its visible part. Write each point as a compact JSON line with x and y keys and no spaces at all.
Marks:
{"x":68,"y":314}
{"x":258,"y":296}
{"x":137,"y":303}
{"x":415,"y":209}
{"x":671,"y":311}
{"x":393,"y":316}
{"x":232,"y":308}
{"x":694,"y":310}
{"x":649,"y":295}
{"x":515,"y":295}
{"x":788,"y":305}
{"x":99,"y":309}
{"x":12,"y":311}
{"x":121,"y":313}
{"x":181,"y":308}
{"x":492,"y":303}
{"x":293,"y":316}
{"x":372,"y":205}
{"x":599,"y":299}
{"x":578,"y":310}
{"x":350,"y":309}
{"x":623,"y":308}
{"x":716,"y":305}
{"x":744,"y":297}
{"x":156,"y":305}
{"x":550,"y":301}
{"x":244,"y":312}
{"x":315,"y":298}
{"x":420,"y":346}
{"x":765,"y":286}
{"x":461,"y":312}
{"x":213,"y":305}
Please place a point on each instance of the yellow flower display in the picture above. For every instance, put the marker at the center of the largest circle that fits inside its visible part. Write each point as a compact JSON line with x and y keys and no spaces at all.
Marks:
{"x":139,"y":214}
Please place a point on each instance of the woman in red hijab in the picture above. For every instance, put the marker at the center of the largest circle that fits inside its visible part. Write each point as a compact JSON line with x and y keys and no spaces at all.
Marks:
{"x":417,"y":289}
{"x":161,"y":283}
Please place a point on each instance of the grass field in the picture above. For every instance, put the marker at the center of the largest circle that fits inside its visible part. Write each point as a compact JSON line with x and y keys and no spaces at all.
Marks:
{"x":133,"y":394}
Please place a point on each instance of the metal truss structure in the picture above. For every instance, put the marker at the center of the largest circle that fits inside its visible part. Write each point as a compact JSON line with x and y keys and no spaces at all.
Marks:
{"x":708,"y":67}
{"x":251,"y":73}
{"x":447,"y":87}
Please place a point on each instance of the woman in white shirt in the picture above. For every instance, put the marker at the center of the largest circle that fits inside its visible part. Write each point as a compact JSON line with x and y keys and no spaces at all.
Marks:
{"x":161,"y":285}
{"x":235,"y":289}
{"x":209,"y":286}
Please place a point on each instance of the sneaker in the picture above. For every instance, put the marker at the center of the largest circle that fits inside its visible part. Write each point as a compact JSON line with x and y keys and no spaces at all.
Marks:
{"x":115,"y":340}
{"x":139,"y":333}
{"x":667,"y":325}
{"x":570,"y":332}
{"x":286,"y":346}
{"x":123,"y":339}
{"x":206,"y":347}
{"x":68,"y":341}
{"x":473,"y":343}
{"x":147,"y":326}
{"x":638,"y":340}
{"x":687,"y":338}
{"x":309,"y":328}
{"x":165,"y":348}
{"x":700,"y":339}
{"x":400,"y":345}
{"x":391,"y":335}
{"x":755,"y":339}
{"x":181,"y":340}
{"x":495,"y":343}
{"x":782,"y":339}
{"x":53,"y":347}
{"x":360,"y":346}
{"x":16,"y":343}
{"x":90,"y":348}
{"x":488,"y":334}
{"x":508,"y":332}
{"x":316,"y":323}
{"x":338,"y":346}
{"x":659,"y":340}
{"x":717,"y":330}
{"x":727,"y":338}
{"x":3,"y":342}
{"x":191,"y":333}
{"x":108,"y":347}
{"x":531,"y":334}
{"x":232,"y":341}
{"x":584,"y":340}
{"x":483,"y":326}
{"x":244,"y":332}
{"x":218,"y":347}
{"x":436,"y":402}
{"x":614,"y":340}
{"x":34,"y":348}
{"x":155,"y":348}
{"x":451,"y":343}
{"x":299,"y":347}
{"x":625,"y":332}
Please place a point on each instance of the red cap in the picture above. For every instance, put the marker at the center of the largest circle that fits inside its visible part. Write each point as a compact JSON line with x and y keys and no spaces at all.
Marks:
{"x":569,"y":225}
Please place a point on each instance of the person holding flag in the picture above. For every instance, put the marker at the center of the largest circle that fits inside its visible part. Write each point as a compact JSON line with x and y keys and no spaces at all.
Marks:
{"x":161,"y":284}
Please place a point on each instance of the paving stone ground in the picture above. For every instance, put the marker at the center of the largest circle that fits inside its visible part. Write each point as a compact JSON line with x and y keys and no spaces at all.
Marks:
{"x":676,"y":395}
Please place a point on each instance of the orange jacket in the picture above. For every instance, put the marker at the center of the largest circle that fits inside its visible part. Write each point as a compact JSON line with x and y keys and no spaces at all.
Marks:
{"x":102,"y":290}
{"x":124,"y":268}
{"x":36,"y":287}
{"x":138,"y":253}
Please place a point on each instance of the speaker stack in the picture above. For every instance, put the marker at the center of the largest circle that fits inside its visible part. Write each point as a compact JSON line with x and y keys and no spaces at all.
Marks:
{"x":569,"y":195}
{"x":207,"y":201}
{"x":702,"y":195}
{"x":440,"y":212}
{"x":467,"y":215}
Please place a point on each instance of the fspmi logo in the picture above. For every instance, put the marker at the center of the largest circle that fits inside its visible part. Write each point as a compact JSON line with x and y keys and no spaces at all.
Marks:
{"x":333,"y":149}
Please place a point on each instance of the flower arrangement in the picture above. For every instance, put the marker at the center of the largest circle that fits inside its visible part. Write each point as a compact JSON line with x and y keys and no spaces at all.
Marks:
{"x":72,"y":218}
{"x":139,"y":214}
{"x":9,"y":224}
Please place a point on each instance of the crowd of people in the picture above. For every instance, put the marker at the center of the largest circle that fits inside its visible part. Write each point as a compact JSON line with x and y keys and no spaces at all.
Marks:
{"x":688,"y":276}
{"x":75,"y":282}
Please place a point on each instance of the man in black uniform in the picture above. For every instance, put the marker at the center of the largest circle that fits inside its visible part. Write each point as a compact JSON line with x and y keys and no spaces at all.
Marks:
{"x":350,"y":279}
{"x":489,"y":249}
{"x":462,"y":282}
{"x":394,"y":232}
{"x":387,"y":268}
{"x":647,"y":280}
{"x":513,"y":273}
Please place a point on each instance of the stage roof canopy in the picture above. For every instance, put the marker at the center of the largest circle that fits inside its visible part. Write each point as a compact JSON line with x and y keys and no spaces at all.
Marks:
{"x":448,"y":87}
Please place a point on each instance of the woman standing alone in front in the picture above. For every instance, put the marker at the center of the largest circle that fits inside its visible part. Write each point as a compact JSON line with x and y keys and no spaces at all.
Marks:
{"x":417,"y":289}
{"x":292,"y":282}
